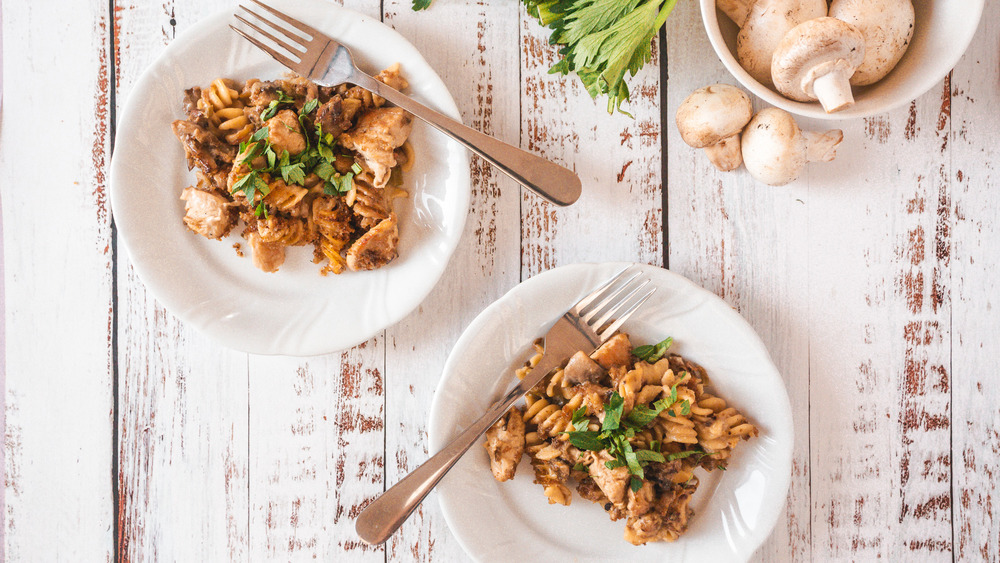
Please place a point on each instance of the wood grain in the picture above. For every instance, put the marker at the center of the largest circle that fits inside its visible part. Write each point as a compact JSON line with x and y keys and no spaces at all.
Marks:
{"x":485,"y":264}
{"x":975,"y":296}
{"x":618,"y":217}
{"x":747,"y":243}
{"x":183,"y":484}
{"x":58,"y":284}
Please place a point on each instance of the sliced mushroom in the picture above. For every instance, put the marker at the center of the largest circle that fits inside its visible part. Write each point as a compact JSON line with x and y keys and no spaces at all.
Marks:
{"x":775,"y":150}
{"x":887,"y":26}
{"x":766,"y":22}
{"x":712,"y":118}
{"x":815,"y":61}
{"x":581,"y":369}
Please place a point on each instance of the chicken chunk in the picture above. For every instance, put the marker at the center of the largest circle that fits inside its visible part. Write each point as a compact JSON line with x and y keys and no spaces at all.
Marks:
{"x":505,"y":444}
{"x":581,"y":369}
{"x":202,"y":148}
{"x":378,"y":133}
{"x":284,"y":133}
{"x":613,"y":482}
{"x":375,"y":248}
{"x":614,"y":352}
{"x":208,"y":214}
{"x":267,"y":256}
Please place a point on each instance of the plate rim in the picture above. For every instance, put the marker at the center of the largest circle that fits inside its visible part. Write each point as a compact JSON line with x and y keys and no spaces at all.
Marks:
{"x":436,"y":433}
{"x":128,"y":118}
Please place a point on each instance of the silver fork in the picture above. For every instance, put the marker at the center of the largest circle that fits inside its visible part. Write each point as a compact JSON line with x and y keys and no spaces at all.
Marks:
{"x":329,"y":63}
{"x":584,"y":327}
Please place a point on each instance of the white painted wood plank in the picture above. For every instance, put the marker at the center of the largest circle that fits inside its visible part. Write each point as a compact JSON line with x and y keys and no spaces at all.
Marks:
{"x":57,"y":253}
{"x":619,"y":214}
{"x":473,"y":46}
{"x":183,"y":400}
{"x":746,"y":243}
{"x":975,"y":295}
{"x":879,"y":339}
{"x":316,"y":453}
{"x":316,"y":444}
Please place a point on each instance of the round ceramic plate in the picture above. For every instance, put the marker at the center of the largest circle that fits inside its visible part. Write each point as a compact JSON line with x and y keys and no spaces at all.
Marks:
{"x":734,"y":510}
{"x":295,"y":311}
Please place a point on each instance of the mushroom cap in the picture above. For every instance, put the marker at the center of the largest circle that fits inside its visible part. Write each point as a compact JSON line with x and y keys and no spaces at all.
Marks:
{"x":774,"y":149}
{"x":713,"y":113}
{"x":887,"y":29}
{"x":812,"y":49}
{"x":766,"y":22}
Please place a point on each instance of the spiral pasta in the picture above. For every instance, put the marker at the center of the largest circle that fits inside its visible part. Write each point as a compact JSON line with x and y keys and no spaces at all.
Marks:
{"x":662,"y":411}
{"x":294,"y":162}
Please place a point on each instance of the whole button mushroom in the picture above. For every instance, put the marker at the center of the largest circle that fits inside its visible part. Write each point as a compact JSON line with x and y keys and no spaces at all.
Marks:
{"x":887,"y":27}
{"x":776,"y":151}
{"x":712,"y":118}
{"x":763,"y":26}
{"x":815,"y":61}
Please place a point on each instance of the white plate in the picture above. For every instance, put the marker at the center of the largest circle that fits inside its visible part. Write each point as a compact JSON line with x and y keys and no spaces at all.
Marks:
{"x":294,"y":311}
{"x":734,"y":510}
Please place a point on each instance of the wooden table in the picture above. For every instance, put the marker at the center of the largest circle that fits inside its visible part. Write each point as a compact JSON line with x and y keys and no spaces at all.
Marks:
{"x":872,"y":280}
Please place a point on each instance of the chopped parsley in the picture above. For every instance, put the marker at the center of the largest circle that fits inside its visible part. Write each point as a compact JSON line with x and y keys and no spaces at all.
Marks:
{"x":652,"y":353}
{"x":615,"y":433}
{"x":319,"y":158}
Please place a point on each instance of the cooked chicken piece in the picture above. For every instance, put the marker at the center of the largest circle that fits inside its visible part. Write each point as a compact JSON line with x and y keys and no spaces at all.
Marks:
{"x":376,"y":247}
{"x":263,"y":93}
{"x":505,"y":444}
{"x":645,"y":528}
{"x":267,"y":256}
{"x":614,"y":352}
{"x":378,"y":133}
{"x":581,"y":369}
{"x":202,"y":147}
{"x":391,"y":78}
{"x":641,"y":501}
{"x":208,"y":214}
{"x":612,"y":482}
{"x":332,"y":117}
{"x":283,"y":133}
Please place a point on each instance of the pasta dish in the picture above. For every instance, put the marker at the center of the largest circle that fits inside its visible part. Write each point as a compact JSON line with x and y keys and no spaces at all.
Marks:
{"x":629,"y":427}
{"x":298,"y":164}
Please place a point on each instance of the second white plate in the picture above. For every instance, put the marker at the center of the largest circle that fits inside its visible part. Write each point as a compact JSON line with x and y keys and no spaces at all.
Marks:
{"x":512,"y":521}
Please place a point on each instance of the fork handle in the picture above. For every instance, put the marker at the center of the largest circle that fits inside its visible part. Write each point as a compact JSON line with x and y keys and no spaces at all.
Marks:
{"x":547,"y":179}
{"x":387,"y":513}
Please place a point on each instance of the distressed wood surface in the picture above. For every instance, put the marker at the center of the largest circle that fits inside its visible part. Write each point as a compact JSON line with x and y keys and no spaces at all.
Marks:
{"x":872,"y":281}
{"x":58,"y":263}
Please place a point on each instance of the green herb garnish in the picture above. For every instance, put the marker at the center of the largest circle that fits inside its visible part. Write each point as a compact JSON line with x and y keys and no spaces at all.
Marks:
{"x":653,"y":353}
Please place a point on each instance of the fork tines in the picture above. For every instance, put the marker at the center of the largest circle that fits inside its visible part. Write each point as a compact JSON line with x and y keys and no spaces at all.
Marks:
{"x":614,"y":302}
{"x":294,"y":37}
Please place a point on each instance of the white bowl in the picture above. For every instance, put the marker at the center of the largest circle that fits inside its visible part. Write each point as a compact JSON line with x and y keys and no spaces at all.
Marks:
{"x":943,"y":30}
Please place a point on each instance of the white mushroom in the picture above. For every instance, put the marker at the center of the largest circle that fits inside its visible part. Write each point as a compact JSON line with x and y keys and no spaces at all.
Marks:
{"x":711,"y":118}
{"x":815,"y":61}
{"x":737,"y":10}
{"x":775,"y":150}
{"x":766,"y":22}
{"x":887,"y":26}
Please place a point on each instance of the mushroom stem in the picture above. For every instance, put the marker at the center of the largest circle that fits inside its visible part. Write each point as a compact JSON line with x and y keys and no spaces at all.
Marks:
{"x":833,"y":90}
{"x":726,"y":155}
{"x":821,"y":146}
